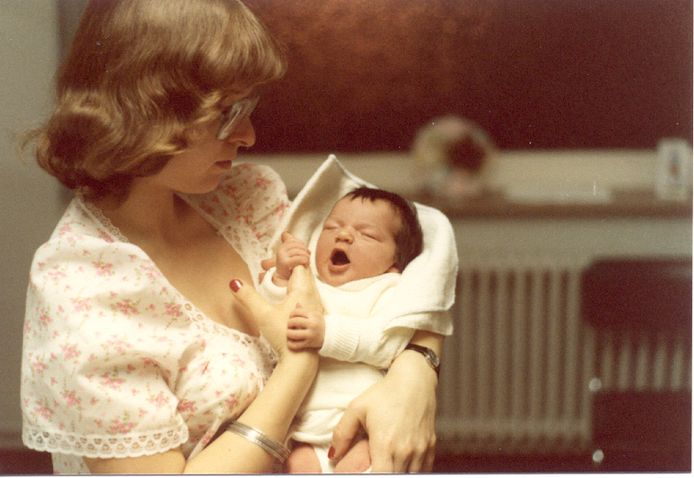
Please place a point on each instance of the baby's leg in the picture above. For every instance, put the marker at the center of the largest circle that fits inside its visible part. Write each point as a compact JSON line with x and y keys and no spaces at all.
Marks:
{"x":357,"y":459}
{"x":302,"y":459}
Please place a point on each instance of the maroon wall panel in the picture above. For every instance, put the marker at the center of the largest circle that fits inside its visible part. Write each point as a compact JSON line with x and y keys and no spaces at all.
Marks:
{"x":364,"y":75}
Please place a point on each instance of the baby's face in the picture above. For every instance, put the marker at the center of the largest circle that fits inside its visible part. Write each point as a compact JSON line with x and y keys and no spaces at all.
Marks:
{"x":357,"y":241}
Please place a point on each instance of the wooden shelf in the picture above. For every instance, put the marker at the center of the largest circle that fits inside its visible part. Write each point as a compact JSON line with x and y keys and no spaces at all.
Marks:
{"x":623,"y":204}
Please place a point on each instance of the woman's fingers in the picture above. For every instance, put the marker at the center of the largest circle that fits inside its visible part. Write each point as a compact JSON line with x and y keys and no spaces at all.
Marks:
{"x":428,"y":464}
{"x":345,"y":432}
{"x":257,"y":312}
{"x":299,"y":280}
{"x":382,"y":460}
{"x":405,"y":458}
{"x":302,"y":288}
{"x":249,"y":300}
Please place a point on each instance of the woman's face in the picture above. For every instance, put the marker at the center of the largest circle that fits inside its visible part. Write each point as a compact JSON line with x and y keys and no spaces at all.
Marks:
{"x":357,"y":241}
{"x":200,"y":168}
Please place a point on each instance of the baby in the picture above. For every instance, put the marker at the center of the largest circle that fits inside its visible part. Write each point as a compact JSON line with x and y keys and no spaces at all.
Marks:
{"x":368,"y":238}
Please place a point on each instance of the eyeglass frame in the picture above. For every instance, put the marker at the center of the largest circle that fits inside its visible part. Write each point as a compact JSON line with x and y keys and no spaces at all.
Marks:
{"x":234,"y":114}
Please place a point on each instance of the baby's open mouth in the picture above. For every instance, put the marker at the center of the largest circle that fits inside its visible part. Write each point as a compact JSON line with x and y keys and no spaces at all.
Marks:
{"x":339,"y":258}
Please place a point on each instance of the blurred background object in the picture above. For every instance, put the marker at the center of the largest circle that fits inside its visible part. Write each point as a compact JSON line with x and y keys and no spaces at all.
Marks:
{"x":674,"y":173}
{"x":453,"y":157}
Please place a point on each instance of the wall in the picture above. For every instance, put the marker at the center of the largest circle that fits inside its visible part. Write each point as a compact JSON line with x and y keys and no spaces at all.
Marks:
{"x":30,"y":199}
{"x":521,"y":170}
{"x":537,"y":74}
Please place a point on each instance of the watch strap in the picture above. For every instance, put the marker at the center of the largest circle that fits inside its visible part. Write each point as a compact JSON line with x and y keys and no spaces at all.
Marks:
{"x":430,"y":356}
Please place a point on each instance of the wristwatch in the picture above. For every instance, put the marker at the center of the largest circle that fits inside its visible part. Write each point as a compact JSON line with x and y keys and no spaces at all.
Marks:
{"x":428,"y":354}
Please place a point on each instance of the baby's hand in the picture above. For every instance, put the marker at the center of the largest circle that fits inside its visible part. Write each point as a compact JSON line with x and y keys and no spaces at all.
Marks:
{"x":291,"y":253}
{"x":305,"y":330}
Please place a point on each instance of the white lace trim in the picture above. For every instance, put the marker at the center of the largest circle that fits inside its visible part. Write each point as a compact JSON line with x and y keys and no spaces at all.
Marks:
{"x":104,"y":446}
{"x":101,"y":218}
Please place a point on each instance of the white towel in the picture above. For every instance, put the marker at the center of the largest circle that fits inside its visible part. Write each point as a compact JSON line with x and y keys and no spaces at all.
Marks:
{"x":428,"y":282}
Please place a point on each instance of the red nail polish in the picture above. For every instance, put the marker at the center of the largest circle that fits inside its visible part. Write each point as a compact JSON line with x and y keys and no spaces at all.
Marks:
{"x":235,"y":285}
{"x":331,"y":453}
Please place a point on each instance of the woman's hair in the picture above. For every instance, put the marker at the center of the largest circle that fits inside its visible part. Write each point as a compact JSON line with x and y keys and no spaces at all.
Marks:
{"x":409,"y":240}
{"x":140,"y":78}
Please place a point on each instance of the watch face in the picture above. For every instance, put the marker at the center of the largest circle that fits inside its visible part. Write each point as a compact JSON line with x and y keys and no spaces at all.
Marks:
{"x":430,"y":355}
{"x":434,"y":358}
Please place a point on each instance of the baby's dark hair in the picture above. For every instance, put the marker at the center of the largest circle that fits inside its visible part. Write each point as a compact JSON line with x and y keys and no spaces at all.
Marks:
{"x":409,"y":240}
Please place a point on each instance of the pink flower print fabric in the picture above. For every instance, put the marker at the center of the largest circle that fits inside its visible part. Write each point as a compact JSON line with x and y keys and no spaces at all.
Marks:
{"x":246,"y":210}
{"x":116,"y":362}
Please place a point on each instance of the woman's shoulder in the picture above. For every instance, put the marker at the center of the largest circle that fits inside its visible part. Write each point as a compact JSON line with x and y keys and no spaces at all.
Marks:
{"x":83,"y":230}
{"x":82,"y":221}
{"x":84,"y":248}
{"x":84,"y":279}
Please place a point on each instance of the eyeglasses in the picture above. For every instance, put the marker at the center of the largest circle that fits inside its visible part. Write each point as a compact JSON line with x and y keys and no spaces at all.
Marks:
{"x":234,"y":114}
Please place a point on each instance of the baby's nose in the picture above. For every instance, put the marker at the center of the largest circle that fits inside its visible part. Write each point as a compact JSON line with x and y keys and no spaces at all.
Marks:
{"x":345,"y":235}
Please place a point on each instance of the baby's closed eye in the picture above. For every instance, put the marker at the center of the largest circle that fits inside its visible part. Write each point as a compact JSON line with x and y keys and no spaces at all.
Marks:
{"x":371,"y":234}
{"x":330,"y":225}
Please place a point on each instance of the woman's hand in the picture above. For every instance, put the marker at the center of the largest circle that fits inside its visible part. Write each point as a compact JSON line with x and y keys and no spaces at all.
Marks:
{"x":398,"y":414}
{"x":302,"y":290}
{"x":272,"y":319}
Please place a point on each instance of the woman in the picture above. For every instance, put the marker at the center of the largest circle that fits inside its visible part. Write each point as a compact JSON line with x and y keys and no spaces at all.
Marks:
{"x":137,"y":357}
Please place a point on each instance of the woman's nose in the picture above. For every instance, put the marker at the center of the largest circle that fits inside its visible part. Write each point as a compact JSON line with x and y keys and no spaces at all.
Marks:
{"x":244,"y":133}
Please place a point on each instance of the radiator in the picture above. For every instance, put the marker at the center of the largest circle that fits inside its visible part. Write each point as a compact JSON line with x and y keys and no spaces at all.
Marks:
{"x":519,"y":371}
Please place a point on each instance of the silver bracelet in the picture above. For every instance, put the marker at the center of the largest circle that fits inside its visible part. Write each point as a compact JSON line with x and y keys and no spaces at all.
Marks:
{"x":274,"y":448}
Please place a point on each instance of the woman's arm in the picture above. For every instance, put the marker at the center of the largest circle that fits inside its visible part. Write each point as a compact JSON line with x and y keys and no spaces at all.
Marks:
{"x":398,"y":414}
{"x":272,"y":411}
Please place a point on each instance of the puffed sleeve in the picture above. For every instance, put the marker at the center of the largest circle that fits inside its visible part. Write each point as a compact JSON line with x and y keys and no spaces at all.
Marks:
{"x":101,"y":352}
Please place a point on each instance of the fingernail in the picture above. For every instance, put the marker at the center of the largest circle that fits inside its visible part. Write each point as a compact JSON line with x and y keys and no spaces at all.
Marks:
{"x":331,"y":453}
{"x":235,"y":285}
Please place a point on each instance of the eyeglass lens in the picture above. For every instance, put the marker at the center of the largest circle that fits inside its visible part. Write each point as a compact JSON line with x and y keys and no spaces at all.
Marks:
{"x":234,"y":114}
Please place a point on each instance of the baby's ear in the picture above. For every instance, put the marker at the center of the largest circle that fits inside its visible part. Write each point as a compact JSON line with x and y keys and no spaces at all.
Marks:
{"x":393,"y":268}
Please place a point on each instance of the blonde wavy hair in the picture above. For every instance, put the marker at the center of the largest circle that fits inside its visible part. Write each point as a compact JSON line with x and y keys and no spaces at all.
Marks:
{"x":140,"y":78}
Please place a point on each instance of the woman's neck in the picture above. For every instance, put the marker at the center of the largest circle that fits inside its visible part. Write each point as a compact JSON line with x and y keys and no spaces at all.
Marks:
{"x":149,"y":213}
